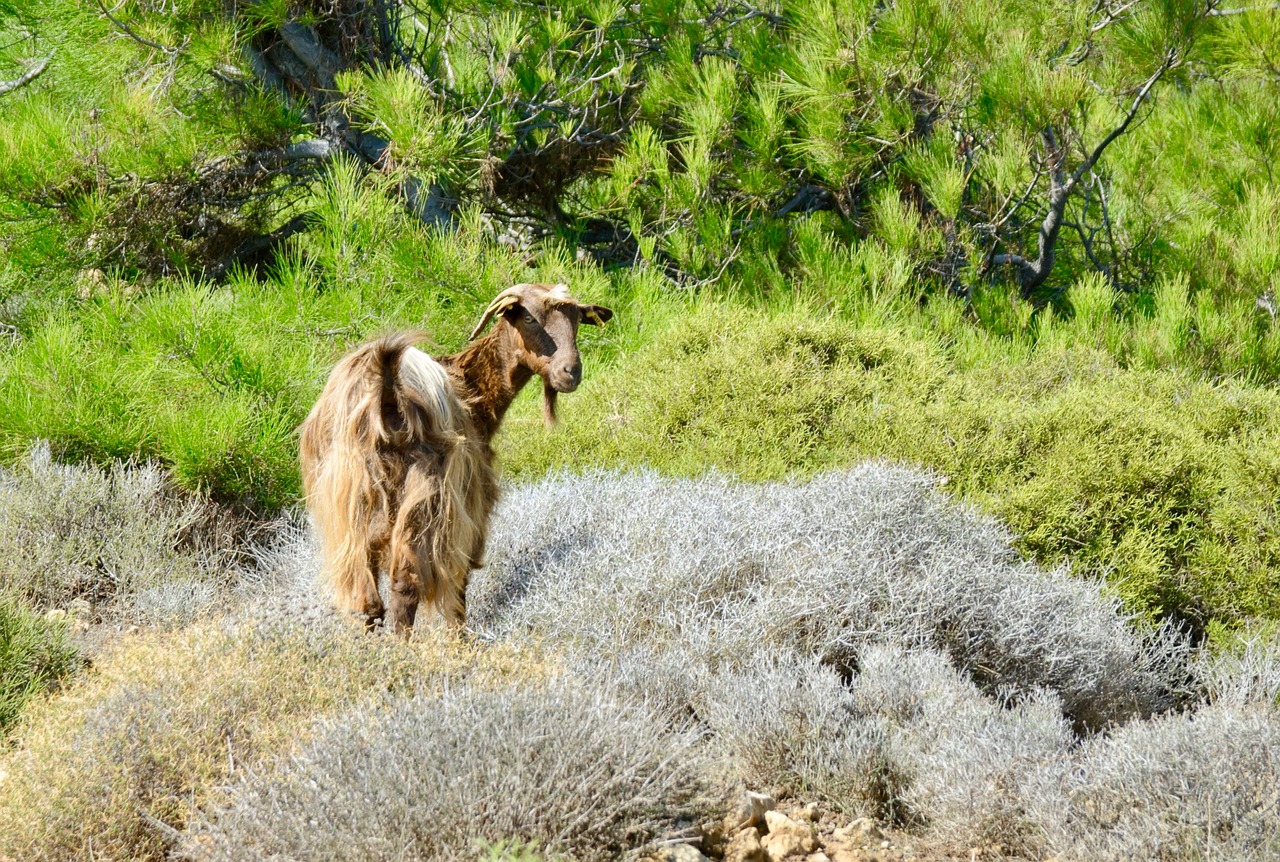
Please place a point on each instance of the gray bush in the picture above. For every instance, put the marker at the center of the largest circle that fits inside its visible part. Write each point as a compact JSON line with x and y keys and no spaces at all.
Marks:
{"x":908,"y":739}
{"x":790,"y":726}
{"x":857,"y":639}
{"x":1247,"y":674}
{"x":971,"y":769}
{"x":635,"y":565}
{"x":119,"y":538}
{"x":1181,"y":786}
{"x":558,"y":764}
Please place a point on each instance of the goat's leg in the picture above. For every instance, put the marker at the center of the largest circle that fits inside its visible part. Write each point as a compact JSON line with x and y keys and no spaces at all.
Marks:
{"x":372,"y":606}
{"x":405,"y":588}
{"x":453,"y":601}
{"x":404,"y":604}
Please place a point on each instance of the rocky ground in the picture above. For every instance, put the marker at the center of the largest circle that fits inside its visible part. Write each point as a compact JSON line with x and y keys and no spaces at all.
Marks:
{"x":762,"y":830}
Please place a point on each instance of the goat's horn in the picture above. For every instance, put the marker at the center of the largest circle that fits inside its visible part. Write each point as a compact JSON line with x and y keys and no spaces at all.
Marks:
{"x":501,"y":302}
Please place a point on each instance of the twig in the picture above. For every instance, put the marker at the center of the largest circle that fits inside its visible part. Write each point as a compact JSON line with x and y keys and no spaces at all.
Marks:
{"x":1033,"y":273}
{"x":132,"y":34}
{"x":27,"y":77}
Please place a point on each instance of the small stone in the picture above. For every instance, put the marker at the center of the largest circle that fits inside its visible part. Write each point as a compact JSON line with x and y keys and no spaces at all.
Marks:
{"x":843,"y":855}
{"x":817,"y":857}
{"x":787,"y":837}
{"x":884,"y":845}
{"x":678,"y":853}
{"x":864,"y":829}
{"x":745,"y":847}
{"x":751,"y":810}
{"x":809,"y":812}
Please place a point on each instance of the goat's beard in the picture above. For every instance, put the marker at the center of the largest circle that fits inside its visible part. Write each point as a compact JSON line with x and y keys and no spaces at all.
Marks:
{"x":548,"y":404}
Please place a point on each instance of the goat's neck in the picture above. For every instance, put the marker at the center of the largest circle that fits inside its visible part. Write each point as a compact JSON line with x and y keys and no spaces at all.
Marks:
{"x":490,"y":378}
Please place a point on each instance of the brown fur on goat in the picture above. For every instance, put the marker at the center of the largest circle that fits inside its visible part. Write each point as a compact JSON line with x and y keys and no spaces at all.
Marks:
{"x":396,"y":455}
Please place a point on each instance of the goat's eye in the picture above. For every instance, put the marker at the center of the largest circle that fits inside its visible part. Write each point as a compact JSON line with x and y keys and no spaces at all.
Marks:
{"x":528,"y":318}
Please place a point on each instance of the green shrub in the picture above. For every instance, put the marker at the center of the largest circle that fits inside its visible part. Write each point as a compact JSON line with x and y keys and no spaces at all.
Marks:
{"x":34,"y":656}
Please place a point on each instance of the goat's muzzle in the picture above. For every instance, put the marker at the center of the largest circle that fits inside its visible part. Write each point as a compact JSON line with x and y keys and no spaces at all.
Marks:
{"x":565,"y":378}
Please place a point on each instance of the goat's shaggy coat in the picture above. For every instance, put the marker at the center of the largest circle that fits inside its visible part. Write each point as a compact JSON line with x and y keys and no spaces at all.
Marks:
{"x":396,"y":457}
{"x":396,"y":478}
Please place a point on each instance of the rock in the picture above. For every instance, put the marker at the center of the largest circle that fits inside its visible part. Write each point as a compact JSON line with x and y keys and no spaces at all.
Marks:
{"x":809,"y":812}
{"x":714,"y":839}
{"x":787,"y":837}
{"x":678,"y":853}
{"x":861,"y":831}
{"x":843,"y":855}
{"x":745,"y":847}
{"x":750,"y":811}
{"x":817,"y":857}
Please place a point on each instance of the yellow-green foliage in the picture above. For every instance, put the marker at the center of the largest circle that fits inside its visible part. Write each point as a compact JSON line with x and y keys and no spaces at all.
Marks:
{"x":34,"y":655}
{"x":164,"y":720}
{"x":1165,"y":483}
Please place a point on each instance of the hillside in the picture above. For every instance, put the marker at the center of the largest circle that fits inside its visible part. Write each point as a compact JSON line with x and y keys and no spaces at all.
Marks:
{"x":928,"y":472}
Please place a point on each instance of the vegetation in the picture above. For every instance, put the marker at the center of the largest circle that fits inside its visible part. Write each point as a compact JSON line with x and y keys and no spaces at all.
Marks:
{"x":1028,"y":249}
{"x":1174,"y":502}
{"x":158,"y":729}
{"x":583,"y":775}
{"x":795,"y":178}
{"x":121,"y":542}
{"x":858,"y":640}
{"x":34,"y":656}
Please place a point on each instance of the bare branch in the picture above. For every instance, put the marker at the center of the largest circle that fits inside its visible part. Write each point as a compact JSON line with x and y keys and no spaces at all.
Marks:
{"x":132,"y":34}
{"x":1033,"y":273}
{"x":26,"y":78}
{"x":1170,"y":60}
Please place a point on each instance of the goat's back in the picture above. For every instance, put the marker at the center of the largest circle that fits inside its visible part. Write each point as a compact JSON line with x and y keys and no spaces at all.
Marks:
{"x":389,"y":448}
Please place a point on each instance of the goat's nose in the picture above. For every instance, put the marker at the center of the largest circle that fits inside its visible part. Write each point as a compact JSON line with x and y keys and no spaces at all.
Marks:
{"x":575,"y":372}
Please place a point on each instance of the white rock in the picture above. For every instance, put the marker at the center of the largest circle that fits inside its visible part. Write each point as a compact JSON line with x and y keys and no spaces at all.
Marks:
{"x":751,"y":809}
{"x":862,"y":829}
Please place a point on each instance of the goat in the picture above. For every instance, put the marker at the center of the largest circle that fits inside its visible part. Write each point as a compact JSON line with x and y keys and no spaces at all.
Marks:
{"x":397,"y":463}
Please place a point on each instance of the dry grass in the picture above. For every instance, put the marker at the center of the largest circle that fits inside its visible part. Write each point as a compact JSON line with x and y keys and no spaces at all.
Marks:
{"x":110,"y":769}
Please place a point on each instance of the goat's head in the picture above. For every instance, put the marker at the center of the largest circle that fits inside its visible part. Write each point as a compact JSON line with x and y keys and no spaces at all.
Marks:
{"x":543,"y":320}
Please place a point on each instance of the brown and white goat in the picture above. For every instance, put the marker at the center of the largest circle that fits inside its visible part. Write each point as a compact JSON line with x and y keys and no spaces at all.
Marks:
{"x":396,"y":457}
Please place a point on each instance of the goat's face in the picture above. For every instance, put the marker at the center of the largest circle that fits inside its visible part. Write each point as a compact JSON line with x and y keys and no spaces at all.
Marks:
{"x":544,"y":320}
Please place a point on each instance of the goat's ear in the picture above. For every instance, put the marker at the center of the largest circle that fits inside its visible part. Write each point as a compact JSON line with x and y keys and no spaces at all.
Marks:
{"x":503,"y":301}
{"x":596,"y":315}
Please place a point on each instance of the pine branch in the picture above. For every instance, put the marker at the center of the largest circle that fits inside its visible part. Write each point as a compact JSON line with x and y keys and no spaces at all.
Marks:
{"x":132,"y":34}
{"x":1242,"y":10}
{"x":1033,"y":272}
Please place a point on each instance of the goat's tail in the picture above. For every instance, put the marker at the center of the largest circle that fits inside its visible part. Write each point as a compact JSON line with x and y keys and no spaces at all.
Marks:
{"x":384,"y":403}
